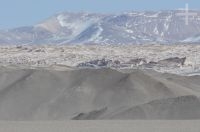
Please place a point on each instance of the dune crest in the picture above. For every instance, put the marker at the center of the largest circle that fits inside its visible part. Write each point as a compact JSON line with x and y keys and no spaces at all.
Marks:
{"x":36,"y":94}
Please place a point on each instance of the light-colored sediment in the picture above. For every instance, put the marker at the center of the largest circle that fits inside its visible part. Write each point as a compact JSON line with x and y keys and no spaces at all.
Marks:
{"x":72,"y":55}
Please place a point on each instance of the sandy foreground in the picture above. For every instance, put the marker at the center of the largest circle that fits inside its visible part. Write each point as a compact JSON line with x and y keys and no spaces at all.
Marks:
{"x":50,"y":99}
{"x":101,"y":126}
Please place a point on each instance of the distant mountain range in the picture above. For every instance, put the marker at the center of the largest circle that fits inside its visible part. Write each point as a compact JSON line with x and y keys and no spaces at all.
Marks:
{"x":163,"y":27}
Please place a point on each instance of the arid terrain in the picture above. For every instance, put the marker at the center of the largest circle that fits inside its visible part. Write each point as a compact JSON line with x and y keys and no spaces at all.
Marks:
{"x":178,"y":59}
{"x":99,"y":66}
{"x":148,"y":82}
{"x":102,"y":126}
{"x":91,"y":94}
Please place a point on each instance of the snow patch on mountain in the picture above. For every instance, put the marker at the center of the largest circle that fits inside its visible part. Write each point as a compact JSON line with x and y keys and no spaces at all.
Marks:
{"x":97,"y":36}
{"x":163,"y":27}
{"x":77,"y":26}
{"x":192,"y":39}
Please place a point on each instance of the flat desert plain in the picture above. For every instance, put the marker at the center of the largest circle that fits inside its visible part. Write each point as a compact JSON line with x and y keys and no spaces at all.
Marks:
{"x":102,"y":126}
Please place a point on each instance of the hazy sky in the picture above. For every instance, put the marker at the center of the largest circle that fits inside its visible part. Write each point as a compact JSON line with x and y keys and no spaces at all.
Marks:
{"x":14,"y":13}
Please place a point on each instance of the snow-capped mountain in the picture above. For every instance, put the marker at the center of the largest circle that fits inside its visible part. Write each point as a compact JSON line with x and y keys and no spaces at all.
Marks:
{"x":164,"y":27}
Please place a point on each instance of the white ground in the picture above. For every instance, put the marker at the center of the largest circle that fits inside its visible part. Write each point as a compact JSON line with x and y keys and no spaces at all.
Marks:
{"x":45,"y":56}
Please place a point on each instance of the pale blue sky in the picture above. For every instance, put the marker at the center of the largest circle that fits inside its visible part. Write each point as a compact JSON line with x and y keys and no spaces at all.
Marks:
{"x":14,"y":13}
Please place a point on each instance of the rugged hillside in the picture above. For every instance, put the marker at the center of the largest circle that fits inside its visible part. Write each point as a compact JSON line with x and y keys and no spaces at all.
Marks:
{"x":96,"y":94}
{"x":127,"y":28}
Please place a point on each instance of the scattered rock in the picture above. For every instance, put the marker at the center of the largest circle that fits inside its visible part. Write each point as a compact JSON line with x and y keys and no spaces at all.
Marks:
{"x":91,"y":115}
{"x":176,"y":61}
{"x":96,"y":63}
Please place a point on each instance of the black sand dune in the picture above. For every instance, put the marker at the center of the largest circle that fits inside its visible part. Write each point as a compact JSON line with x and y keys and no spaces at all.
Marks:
{"x":90,"y":94}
